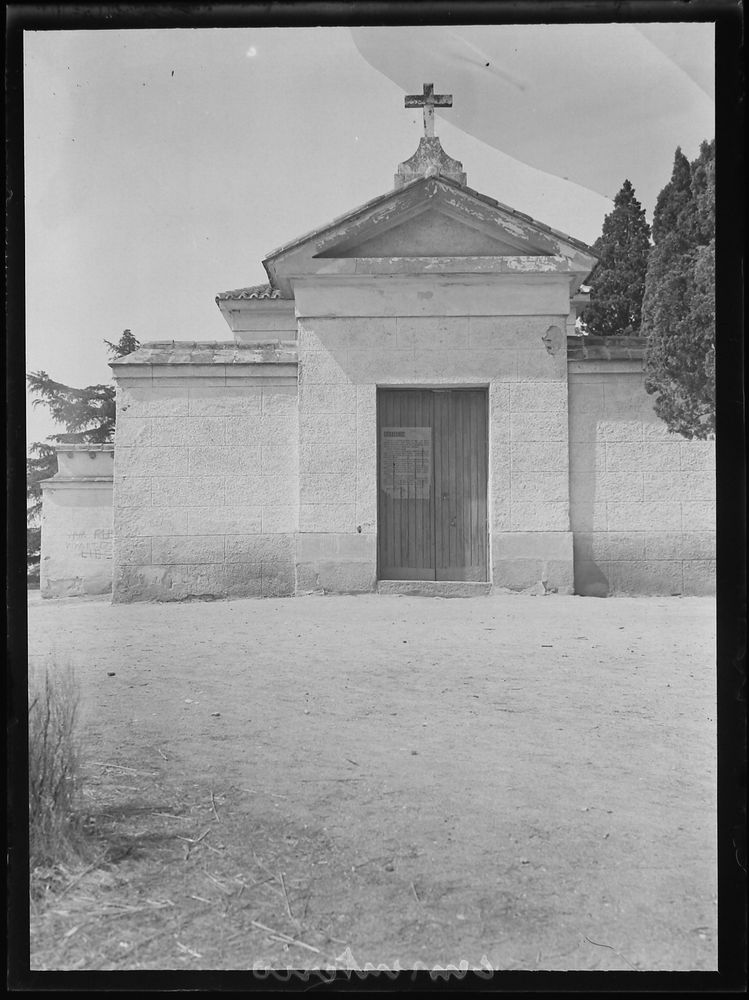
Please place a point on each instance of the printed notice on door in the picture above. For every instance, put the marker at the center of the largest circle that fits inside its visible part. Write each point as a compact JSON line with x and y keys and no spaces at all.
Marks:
{"x":406,"y":462}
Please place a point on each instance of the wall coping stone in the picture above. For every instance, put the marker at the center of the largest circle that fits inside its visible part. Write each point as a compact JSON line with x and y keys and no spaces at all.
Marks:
{"x":198,"y":352}
{"x":589,"y":348}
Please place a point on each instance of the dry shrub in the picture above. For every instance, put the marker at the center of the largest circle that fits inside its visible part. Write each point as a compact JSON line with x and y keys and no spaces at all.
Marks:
{"x":54,"y":775}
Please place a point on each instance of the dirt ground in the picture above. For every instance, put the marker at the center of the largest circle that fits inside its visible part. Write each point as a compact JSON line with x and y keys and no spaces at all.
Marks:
{"x":510,"y":782}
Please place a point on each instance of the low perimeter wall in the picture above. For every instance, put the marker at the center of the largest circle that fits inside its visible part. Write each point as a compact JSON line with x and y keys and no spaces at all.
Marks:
{"x":642,"y":500}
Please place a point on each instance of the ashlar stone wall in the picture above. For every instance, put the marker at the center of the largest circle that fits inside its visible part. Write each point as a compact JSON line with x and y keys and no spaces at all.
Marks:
{"x":642,"y":499}
{"x":505,"y":335}
{"x":205,"y":478}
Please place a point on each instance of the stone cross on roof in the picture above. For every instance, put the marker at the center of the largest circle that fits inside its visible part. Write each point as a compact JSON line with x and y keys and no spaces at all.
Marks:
{"x":429,"y":101}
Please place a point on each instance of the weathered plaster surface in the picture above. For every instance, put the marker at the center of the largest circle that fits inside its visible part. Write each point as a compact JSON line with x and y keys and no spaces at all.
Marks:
{"x":76,"y":544}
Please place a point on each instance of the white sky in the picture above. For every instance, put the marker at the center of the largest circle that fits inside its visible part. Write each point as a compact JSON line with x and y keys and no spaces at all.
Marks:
{"x":162,"y":165}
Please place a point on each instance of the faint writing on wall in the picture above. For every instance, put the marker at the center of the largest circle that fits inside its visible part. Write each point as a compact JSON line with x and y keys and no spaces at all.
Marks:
{"x":406,"y":462}
{"x":94,"y":544}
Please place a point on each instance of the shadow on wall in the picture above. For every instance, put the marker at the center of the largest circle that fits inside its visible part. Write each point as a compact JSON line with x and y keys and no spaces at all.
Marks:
{"x":590,"y":580}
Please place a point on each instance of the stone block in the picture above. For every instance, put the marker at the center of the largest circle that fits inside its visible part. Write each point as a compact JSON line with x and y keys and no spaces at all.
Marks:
{"x":328,"y":399}
{"x":427,"y":333}
{"x":259,"y":490}
{"x":538,"y":426}
{"x":237,"y":520}
{"x":619,"y":546}
{"x":697,"y":455}
{"x":620,"y":485}
{"x":334,"y":517}
{"x":699,"y":576}
{"x":336,"y":547}
{"x":319,"y":367}
{"x":538,"y":396}
{"x":657,"y":576}
{"x":136,"y":522}
{"x":187,"y":491}
{"x":328,"y":427}
{"x":269,"y":550}
{"x":278,"y":460}
{"x":534,"y":486}
{"x":499,"y":400}
{"x":242,"y":580}
{"x":280,"y":583}
{"x":539,"y":515}
{"x":500,"y":467}
{"x":377,"y":366}
{"x":499,"y":428}
{"x":148,"y":401}
{"x":698,"y":545}
{"x":167,"y":583}
{"x":133,"y":432}
{"x":280,"y":518}
{"x":133,"y":551}
{"x":624,"y":455}
{"x":327,"y":457}
{"x":230,"y":400}
{"x":660,"y":456}
{"x":650,"y":515}
{"x":193,"y":431}
{"x":672,"y":485}
{"x":277,"y":429}
{"x":327,"y":488}
{"x":516,"y":574}
{"x":698,"y":515}
{"x":621,"y":430}
{"x":360,"y":332}
{"x":132,"y":491}
{"x":336,"y":577}
{"x":542,"y":545}
{"x":223,"y":461}
{"x":279,"y":399}
{"x":151,"y":461}
{"x":663,"y":545}
{"x":366,"y":517}
{"x":193,"y":549}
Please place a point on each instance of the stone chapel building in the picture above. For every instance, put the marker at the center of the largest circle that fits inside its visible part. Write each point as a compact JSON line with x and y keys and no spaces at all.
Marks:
{"x":405,"y":405}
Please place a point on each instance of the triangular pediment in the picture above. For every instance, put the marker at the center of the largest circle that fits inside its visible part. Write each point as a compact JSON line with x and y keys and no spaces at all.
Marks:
{"x":435,"y":220}
{"x":430,"y":233}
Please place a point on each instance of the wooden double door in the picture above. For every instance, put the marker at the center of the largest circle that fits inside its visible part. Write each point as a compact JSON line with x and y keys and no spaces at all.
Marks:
{"x":432,"y":484}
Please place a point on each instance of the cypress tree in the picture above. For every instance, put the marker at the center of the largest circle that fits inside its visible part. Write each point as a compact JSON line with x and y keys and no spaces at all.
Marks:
{"x":678,"y":316}
{"x":618,"y":280}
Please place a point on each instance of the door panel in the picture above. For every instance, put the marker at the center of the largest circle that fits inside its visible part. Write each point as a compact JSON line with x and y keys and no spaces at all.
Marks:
{"x":460,"y":481}
{"x":406,"y":491}
{"x":432,"y":484}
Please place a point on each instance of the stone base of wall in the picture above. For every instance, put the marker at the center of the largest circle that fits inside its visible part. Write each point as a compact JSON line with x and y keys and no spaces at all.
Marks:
{"x":644,"y":563}
{"x":267,"y":570}
{"x":524,"y":559}
{"x":336,"y":563}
